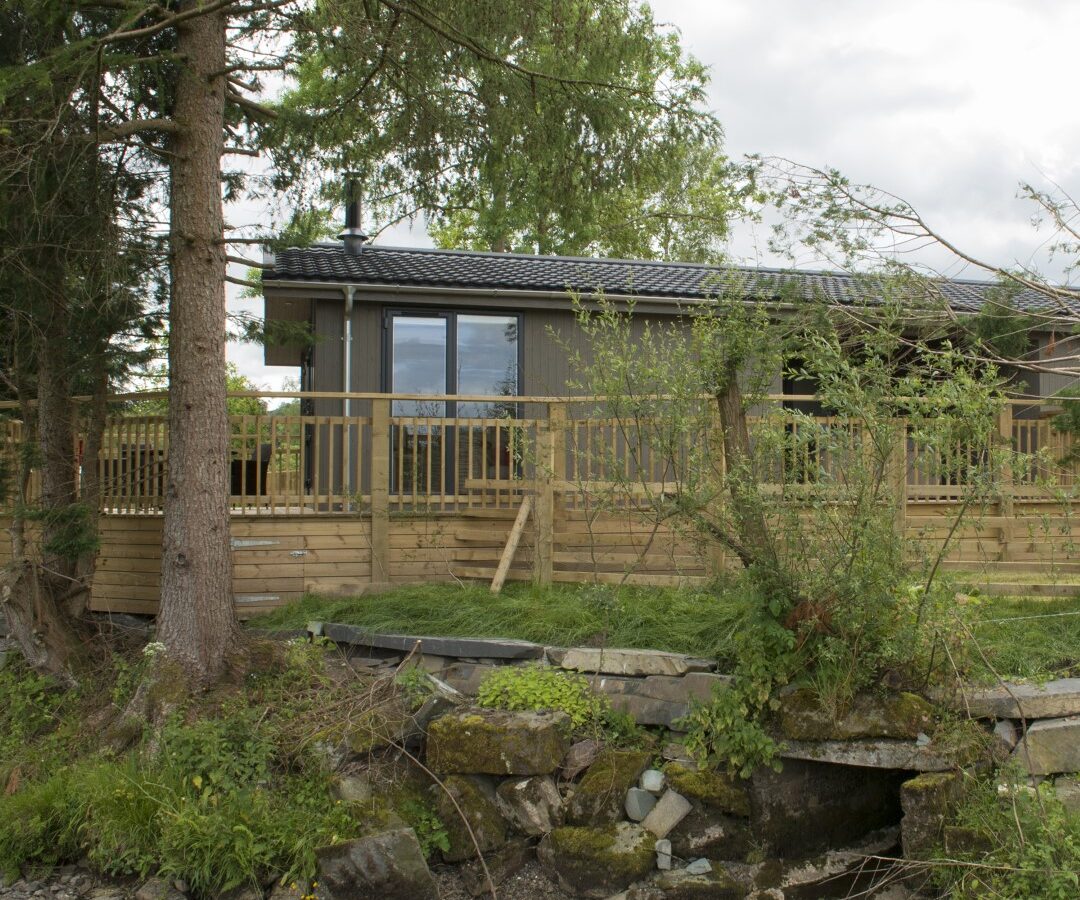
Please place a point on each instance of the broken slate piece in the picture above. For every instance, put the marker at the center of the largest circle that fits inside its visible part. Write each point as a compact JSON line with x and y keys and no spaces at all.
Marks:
{"x":669,"y":811}
{"x":699,"y":867}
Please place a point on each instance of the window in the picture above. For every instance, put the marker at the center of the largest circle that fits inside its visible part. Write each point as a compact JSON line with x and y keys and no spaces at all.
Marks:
{"x":453,"y":353}
{"x":474,"y":354}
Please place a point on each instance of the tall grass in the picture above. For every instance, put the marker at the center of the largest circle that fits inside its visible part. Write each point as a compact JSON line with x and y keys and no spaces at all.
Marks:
{"x":698,"y":622}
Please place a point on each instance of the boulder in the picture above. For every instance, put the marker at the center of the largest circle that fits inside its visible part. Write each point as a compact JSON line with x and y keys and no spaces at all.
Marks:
{"x":652,"y":780}
{"x":927,"y":801}
{"x":1067,"y":789}
{"x":606,"y":661}
{"x":638,"y":804}
{"x":533,"y":806}
{"x":710,"y":788}
{"x":707,"y":832}
{"x":466,"y":677}
{"x":355,"y":788}
{"x":389,"y":865}
{"x":810,"y":807}
{"x":902,"y":716}
{"x":495,"y":742}
{"x":669,"y":811}
{"x":158,"y":889}
{"x":579,"y":757}
{"x":657,"y":699}
{"x":663,"y":855}
{"x":508,"y":860}
{"x":598,"y":798}
{"x":1050,"y":746}
{"x":597,"y":862}
{"x":1052,"y":700}
{"x":475,"y":798}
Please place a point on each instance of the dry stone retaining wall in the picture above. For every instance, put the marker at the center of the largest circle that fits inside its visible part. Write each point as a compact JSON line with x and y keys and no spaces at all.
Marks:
{"x":651,"y":823}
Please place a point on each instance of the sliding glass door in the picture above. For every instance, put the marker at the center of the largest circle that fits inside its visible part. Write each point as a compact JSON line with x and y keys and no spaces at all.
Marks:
{"x":472,"y":354}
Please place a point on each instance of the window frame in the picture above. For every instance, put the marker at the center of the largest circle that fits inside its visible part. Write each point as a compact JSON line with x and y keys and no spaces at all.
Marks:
{"x":451,"y":316}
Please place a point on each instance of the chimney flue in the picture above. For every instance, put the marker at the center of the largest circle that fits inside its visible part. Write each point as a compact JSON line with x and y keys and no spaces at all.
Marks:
{"x":353,"y":237}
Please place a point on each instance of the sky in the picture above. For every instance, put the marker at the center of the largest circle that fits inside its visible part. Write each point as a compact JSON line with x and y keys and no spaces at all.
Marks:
{"x":948,"y":104}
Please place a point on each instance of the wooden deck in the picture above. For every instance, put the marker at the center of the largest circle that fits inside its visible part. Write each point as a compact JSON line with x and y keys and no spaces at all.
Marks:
{"x":344,"y":505}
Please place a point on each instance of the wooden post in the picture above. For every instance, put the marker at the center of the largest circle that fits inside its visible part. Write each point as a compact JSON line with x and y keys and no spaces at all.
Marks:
{"x":550,"y":464}
{"x":380,"y":491}
{"x":899,"y":466}
{"x":1005,"y":473}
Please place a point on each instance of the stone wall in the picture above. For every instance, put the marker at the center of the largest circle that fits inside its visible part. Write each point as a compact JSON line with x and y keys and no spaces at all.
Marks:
{"x":600,"y":820}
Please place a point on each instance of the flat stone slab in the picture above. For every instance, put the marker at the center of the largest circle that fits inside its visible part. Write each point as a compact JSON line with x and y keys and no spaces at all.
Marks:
{"x":490,"y":648}
{"x":604,"y":661}
{"x":1052,"y":700}
{"x":1050,"y":747}
{"x":657,"y":699}
{"x":870,"y":754}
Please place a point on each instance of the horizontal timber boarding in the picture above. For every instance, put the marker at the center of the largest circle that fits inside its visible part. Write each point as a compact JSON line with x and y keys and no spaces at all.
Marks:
{"x":277,"y":560}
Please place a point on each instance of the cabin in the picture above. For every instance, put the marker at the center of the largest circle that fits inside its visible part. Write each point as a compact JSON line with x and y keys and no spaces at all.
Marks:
{"x":438,"y":437}
{"x":421,"y":321}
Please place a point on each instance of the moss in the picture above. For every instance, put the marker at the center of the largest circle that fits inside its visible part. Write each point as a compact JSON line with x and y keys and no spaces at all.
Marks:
{"x":599,"y":861}
{"x":714,"y":885}
{"x":710,"y":788}
{"x":598,"y":797}
{"x":476,"y":800}
{"x":902,"y":716}
{"x":498,"y":743}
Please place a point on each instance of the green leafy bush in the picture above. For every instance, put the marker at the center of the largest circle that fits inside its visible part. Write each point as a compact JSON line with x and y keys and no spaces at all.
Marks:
{"x":540,"y":687}
{"x":1023,"y":844}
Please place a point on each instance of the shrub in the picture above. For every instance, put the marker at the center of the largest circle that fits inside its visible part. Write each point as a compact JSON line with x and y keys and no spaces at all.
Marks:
{"x":540,"y":687}
{"x":1024,"y":844}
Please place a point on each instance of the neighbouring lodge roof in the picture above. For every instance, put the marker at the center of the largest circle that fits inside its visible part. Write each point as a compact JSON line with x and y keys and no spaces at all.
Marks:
{"x":463,"y":270}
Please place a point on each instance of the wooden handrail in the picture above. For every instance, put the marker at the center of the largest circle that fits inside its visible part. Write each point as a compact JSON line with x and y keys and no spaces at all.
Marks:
{"x":1015,"y":400}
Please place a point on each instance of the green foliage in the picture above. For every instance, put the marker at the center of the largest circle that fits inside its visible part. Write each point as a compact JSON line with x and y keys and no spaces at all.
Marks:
{"x":225,"y":799}
{"x":28,"y":707}
{"x":804,"y":496}
{"x":595,"y":140}
{"x":999,"y":327}
{"x":429,"y":828}
{"x":1025,"y":844}
{"x":541,"y":687}
{"x":728,"y":730}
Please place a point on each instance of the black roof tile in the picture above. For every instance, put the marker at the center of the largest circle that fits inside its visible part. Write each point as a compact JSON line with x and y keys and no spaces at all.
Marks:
{"x":463,"y":269}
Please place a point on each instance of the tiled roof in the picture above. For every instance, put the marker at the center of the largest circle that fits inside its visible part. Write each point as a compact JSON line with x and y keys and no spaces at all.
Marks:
{"x":462,"y":269}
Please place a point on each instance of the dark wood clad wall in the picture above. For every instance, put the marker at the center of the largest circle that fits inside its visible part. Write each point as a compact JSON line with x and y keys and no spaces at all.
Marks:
{"x":327,"y":359}
{"x":545,"y":365}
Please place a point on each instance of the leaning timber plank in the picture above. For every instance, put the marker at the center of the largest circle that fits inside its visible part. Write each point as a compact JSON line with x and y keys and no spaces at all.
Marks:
{"x":511,"y":544}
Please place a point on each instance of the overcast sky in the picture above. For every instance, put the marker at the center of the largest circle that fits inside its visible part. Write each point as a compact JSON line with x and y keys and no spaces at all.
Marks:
{"x":949,"y":104}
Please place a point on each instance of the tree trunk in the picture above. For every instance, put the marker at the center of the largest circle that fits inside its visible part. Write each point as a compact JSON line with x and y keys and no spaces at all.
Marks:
{"x":757,"y":548}
{"x":197,"y":622}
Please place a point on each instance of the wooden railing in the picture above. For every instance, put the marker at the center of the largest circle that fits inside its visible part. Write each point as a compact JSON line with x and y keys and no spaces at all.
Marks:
{"x":334,"y":464}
